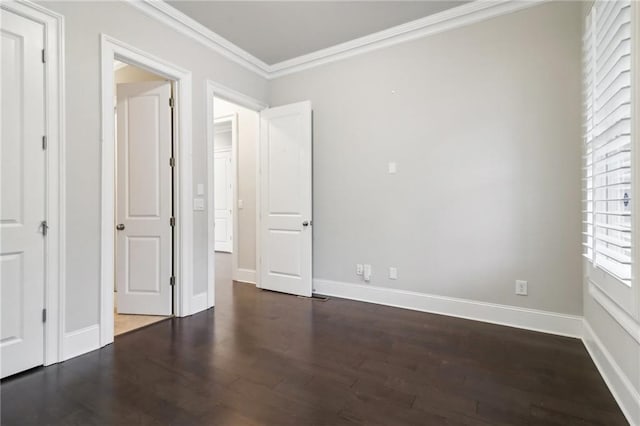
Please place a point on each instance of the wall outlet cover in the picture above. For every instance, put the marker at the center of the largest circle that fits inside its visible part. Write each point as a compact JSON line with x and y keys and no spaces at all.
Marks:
{"x":359,"y":269}
{"x":367,"y":273}
{"x":521,"y":288}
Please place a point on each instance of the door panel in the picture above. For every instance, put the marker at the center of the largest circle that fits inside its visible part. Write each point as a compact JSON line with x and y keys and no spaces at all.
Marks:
{"x":22,"y":195}
{"x":143,"y":247}
{"x":286,"y":197}
{"x":223,"y":196}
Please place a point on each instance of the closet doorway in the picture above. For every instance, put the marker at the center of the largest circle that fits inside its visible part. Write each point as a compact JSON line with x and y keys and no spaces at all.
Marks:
{"x":145,"y":220}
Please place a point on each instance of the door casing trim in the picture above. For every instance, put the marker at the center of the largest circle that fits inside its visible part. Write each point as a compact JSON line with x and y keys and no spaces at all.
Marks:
{"x":186,"y":303}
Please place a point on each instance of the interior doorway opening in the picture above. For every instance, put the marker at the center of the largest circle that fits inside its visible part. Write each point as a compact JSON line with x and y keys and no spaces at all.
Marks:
{"x":234,"y":191}
{"x":144,"y":198}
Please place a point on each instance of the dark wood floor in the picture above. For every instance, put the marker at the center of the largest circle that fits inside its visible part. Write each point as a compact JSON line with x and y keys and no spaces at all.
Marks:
{"x":268,"y":358}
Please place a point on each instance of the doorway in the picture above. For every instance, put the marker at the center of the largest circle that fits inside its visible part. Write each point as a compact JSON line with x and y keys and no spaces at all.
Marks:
{"x":235,"y":144}
{"x":186,"y":301}
{"x":144,"y":207}
{"x":225,"y":167}
{"x":282,"y":190}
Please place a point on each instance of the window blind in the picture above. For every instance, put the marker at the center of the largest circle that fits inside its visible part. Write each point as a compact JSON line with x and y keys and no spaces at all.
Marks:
{"x":607,"y":204}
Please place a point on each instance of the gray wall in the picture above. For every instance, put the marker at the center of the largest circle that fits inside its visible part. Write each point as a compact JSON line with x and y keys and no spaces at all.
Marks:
{"x":484,"y":124}
{"x":84,"y":22}
{"x":248,"y":127}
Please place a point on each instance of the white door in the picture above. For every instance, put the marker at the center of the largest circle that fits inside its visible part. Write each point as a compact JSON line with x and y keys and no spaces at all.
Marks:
{"x":22,"y":195}
{"x":143,"y":212}
{"x":285,"y":199}
{"x":223,"y":195}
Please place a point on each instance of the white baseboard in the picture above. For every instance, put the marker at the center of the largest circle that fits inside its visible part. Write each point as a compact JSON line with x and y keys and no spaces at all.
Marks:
{"x":199,"y":303}
{"x":529,"y":319}
{"x":245,"y":276}
{"x":81,"y":341}
{"x":621,"y":388}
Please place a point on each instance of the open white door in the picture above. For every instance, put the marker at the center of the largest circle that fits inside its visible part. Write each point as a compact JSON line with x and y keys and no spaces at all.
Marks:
{"x":22,"y":195}
{"x":285,"y":199}
{"x":143,"y":212}
{"x":223,"y":193}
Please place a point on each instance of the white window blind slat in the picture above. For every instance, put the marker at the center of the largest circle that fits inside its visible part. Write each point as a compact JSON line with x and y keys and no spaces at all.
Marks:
{"x":607,"y":204}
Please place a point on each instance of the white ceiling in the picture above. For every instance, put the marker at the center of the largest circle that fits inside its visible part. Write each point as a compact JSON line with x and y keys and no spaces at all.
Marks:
{"x":274,"y":31}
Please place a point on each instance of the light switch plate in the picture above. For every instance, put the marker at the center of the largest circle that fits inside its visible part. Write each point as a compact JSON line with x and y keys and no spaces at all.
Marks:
{"x":198,"y":204}
{"x":393,"y":168}
{"x":240,"y":204}
{"x":200,"y":189}
{"x":393,"y":273}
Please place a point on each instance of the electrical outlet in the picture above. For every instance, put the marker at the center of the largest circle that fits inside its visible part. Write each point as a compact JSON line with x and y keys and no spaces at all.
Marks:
{"x":521,"y":288}
{"x":393,"y":273}
{"x":367,"y":273}
{"x":359,"y":269}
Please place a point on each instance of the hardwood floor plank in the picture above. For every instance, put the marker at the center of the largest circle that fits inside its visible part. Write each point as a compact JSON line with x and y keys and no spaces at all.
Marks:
{"x":264,"y":358}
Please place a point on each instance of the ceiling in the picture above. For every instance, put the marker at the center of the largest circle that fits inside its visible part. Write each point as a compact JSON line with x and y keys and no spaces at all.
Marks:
{"x":274,"y":31}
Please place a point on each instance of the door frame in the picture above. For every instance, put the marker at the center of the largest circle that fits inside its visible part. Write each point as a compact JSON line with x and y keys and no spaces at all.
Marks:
{"x":186,"y":303}
{"x":54,"y":87}
{"x":217,"y":90}
{"x":233,"y":118}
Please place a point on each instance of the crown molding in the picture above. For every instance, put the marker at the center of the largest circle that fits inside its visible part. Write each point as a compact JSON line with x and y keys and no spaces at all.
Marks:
{"x":182,"y":23}
{"x":456,"y":17}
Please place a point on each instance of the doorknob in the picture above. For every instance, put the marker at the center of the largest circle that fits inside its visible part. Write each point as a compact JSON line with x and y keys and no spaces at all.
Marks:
{"x":120,"y":226}
{"x":305,"y":223}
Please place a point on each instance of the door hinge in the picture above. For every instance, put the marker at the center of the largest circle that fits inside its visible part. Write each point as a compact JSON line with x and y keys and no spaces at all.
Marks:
{"x":172,"y":221}
{"x":172,"y":281}
{"x":44,"y":315}
{"x":44,"y":227}
{"x":172,"y":162}
{"x":171,"y":102}
{"x":44,"y":142}
{"x":44,"y":57}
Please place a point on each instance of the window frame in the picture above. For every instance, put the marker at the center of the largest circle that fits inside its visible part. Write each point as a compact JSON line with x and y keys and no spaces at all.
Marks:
{"x":603,"y":284}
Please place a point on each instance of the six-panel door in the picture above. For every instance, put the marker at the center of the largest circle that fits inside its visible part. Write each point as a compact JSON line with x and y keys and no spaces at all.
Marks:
{"x":22,"y":201}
